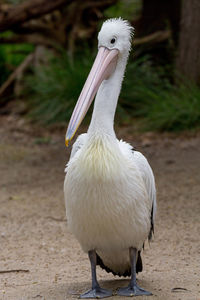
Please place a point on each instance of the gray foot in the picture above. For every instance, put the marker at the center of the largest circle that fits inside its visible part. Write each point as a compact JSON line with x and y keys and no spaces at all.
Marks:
{"x":133,"y":291}
{"x":96,"y":293}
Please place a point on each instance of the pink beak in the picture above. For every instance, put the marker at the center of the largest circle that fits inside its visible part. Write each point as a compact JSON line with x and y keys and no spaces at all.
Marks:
{"x":103,"y":67}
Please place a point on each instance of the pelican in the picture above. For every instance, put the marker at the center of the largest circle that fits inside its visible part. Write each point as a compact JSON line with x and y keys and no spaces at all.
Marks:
{"x":109,"y":187}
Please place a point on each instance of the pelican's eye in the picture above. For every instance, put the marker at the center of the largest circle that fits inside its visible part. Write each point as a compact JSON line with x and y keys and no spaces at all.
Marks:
{"x":113,"y":40}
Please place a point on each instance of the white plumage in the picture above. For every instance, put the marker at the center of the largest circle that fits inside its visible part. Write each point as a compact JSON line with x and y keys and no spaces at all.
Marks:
{"x":109,"y":195}
{"x":109,"y":188}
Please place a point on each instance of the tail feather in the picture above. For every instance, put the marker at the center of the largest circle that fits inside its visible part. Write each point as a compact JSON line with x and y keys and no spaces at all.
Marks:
{"x":127,"y":273}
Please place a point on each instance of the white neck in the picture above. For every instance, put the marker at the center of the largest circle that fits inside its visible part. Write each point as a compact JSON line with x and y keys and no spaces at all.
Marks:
{"x":106,"y":102}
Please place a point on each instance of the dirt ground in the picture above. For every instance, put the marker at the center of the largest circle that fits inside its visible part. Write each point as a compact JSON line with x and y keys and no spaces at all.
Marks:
{"x":33,"y":230}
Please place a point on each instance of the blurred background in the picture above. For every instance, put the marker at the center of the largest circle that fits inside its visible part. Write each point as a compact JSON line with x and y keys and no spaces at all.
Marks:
{"x":47,"y":49}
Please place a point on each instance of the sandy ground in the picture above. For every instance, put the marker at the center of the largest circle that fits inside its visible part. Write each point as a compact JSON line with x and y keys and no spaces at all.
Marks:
{"x":33,"y":231}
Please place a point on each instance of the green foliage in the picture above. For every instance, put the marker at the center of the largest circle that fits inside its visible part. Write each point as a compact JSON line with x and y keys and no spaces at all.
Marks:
{"x":14,"y":54}
{"x":3,"y":70}
{"x":127,"y":9}
{"x":176,"y":108}
{"x":146,"y":95}
{"x":55,"y":88}
{"x":11,"y":56}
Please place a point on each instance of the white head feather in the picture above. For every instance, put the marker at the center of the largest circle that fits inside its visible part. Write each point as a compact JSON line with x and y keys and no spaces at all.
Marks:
{"x":116,"y":34}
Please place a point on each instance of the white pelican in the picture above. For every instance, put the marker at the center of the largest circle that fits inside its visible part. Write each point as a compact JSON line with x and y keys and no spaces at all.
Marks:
{"x":109,"y":187}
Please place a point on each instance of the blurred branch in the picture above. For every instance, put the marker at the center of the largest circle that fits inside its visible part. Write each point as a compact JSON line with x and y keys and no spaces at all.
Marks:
{"x":85,"y":21}
{"x":18,"y":72}
{"x":51,"y":41}
{"x":34,"y":39}
{"x":156,"y":37}
{"x":56,"y":24}
{"x":11,"y":16}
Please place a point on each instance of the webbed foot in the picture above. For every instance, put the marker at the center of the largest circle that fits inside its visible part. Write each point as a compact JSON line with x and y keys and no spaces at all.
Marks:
{"x":133,"y":291}
{"x":97,"y":293}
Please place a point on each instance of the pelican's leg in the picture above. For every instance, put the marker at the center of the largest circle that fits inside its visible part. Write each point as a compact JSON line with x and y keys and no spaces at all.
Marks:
{"x":96,"y":291}
{"x":133,"y":289}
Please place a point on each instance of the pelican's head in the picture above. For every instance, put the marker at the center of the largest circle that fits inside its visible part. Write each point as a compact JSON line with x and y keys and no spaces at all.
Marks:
{"x":116,"y":34}
{"x":114,"y":44}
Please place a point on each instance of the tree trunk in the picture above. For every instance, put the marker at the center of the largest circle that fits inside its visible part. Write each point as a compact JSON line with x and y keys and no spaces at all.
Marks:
{"x":188,"y":56}
{"x":159,"y":15}
{"x":159,"y":18}
{"x":15,"y":15}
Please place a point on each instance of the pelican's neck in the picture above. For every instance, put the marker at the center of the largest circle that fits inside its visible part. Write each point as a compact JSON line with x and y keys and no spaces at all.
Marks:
{"x":106,"y":102}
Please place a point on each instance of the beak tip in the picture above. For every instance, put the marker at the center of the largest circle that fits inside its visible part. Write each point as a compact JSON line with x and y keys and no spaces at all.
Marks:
{"x":69,"y":135}
{"x":67,"y":140}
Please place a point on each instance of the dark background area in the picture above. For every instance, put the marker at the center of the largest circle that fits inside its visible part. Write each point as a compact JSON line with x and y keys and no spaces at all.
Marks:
{"x":47,"y":49}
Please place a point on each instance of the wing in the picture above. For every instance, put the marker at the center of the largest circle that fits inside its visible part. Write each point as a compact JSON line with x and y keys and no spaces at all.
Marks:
{"x":147,"y":175}
{"x":80,"y":141}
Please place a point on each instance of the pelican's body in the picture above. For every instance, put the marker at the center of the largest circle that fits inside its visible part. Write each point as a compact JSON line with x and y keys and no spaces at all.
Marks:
{"x":109,"y":188}
{"x":109,"y":208}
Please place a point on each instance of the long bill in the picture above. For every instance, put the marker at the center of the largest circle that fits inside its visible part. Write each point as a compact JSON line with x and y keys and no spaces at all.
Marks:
{"x":103,"y":67}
